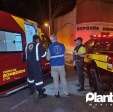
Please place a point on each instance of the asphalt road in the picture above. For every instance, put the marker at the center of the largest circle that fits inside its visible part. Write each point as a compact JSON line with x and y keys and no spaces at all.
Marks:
{"x":22,"y":101}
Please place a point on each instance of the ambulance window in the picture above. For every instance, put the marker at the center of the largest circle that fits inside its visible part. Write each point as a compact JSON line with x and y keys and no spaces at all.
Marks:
{"x":29,"y":31}
{"x":10,"y":41}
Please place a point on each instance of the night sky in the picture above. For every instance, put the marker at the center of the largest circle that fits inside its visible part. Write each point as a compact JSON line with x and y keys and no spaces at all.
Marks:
{"x":37,"y":9}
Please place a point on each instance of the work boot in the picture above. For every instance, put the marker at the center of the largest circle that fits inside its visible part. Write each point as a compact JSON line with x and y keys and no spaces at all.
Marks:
{"x":57,"y":95}
{"x":41,"y":93}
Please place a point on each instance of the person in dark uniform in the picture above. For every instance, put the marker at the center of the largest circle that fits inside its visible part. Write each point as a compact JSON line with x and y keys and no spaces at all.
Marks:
{"x":78,"y":55}
{"x":34,"y":53}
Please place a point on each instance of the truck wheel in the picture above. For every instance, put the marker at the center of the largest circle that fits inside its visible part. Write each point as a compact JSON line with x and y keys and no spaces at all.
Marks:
{"x":95,"y":82}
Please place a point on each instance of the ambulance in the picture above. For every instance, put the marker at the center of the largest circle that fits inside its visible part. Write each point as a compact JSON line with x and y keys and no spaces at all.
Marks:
{"x":15,"y":34}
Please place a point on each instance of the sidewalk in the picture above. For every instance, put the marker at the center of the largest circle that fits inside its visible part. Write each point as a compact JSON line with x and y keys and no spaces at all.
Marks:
{"x":71,"y":87}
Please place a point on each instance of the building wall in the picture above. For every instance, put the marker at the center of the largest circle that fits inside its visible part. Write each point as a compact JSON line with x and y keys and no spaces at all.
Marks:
{"x":94,"y":10}
{"x":86,"y":14}
{"x":89,"y":17}
{"x":94,"y":13}
{"x":65,"y":28}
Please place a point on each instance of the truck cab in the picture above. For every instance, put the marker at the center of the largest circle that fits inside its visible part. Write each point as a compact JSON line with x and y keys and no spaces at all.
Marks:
{"x":99,"y":62}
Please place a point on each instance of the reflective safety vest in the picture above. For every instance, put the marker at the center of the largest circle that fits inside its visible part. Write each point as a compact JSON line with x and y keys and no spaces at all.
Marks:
{"x":57,"y":51}
{"x":34,"y":52}
{"x":79,"y":49}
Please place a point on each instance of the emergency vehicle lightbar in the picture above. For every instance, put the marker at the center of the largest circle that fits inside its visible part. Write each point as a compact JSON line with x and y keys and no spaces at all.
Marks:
{"x":101,"y":36}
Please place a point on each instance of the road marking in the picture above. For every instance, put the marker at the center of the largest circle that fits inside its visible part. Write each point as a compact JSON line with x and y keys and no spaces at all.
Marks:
{"x":21,"y":103}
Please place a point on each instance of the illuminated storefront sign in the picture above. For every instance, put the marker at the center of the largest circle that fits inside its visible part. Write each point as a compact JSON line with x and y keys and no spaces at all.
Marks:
{"x":88,"y":28}
{"x":85,"y":30}
{"x":94,"y":28}
{"x":99,"y":26}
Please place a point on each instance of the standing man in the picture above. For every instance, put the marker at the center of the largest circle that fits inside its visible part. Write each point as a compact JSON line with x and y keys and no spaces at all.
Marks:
{"x":34,"y":52}
{"x":56,"y":55}
{"x":78,"y":54}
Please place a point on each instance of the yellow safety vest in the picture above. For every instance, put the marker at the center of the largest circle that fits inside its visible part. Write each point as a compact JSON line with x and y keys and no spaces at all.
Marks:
{"x":82,"y":50}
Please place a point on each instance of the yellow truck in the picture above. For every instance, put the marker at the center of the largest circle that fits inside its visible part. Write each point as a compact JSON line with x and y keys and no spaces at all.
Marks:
{"x":99,"y":62}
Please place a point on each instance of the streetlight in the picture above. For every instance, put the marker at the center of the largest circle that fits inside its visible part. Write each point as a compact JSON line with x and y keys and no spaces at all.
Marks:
{"x":46,"y":24}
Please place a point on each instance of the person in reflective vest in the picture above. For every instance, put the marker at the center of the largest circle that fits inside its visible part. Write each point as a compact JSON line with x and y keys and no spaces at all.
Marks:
{"x":34,"y":53}
{"x":56,"y":55}
{"x":78,"y":58}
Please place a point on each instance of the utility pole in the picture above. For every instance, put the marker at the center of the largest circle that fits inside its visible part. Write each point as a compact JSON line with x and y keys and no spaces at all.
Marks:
{"x":50,"y":17}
